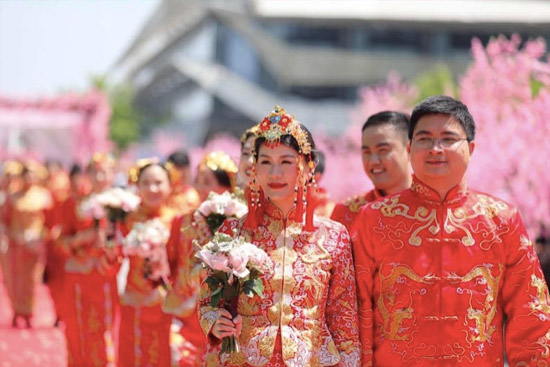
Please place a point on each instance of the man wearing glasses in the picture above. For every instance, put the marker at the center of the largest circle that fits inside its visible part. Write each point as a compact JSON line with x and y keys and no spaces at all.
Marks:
{"x":440,"y":266}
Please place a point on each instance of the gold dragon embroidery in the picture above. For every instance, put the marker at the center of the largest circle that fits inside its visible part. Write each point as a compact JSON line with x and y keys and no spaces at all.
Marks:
{"x":392,"y":322}
{"x":481,"y":317}
{"x":541,"y":303}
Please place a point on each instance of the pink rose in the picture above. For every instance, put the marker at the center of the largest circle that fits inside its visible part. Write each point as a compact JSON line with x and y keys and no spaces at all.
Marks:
{"x":216,"y":261}
{"x":238,"y":259}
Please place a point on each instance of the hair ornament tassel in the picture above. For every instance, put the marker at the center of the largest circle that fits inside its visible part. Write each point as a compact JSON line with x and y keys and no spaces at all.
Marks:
{"x":299,"y":212}
{"x":254,"y":200}
{"x":310,"y":198}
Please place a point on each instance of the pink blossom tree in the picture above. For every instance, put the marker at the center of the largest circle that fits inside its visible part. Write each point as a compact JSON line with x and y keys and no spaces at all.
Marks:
{"x":507,"y":90}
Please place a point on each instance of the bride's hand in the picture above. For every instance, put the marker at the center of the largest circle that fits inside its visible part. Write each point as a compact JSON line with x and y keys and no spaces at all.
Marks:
{"x":225,"y":325}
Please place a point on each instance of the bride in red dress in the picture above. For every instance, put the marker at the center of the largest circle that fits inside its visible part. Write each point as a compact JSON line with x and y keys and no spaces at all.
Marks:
{"x":308,"y":315}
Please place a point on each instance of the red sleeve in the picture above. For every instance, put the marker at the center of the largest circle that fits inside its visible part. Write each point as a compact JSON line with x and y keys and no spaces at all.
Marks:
{"x":365,"y":268}
{"x":525,"y":300}
{"x":173,"y":246}
{"x":339,"y":213}
{"x":341,"y":306}
{"x":68,"y":217}
{"x":6,"y":213}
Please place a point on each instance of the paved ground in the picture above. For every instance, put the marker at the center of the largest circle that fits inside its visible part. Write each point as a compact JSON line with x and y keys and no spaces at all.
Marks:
{"x":41,"y":346}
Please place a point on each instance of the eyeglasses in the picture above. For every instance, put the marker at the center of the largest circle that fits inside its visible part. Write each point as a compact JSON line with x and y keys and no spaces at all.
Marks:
{"x":426,"y":142}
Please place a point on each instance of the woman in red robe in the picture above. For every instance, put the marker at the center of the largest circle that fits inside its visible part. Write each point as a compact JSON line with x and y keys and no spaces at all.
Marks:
{"x":144,"y":327}
{"x":92,"y":311}
{"x":25,"y":227}
{"x":216,"y":173}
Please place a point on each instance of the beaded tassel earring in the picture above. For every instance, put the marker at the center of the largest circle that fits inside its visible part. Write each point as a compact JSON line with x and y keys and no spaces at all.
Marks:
{"x":300,"y":197}
{"x":309,"y":197}
{"x":251,"y":221}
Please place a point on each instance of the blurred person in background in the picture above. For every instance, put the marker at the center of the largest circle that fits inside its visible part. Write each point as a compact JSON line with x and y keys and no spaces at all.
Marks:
{"x":211,"y":177}
{"x":24,"y":221}
{"x":246,"y":159}
{"x":385,"y":161}
{"x":58,"y":184}
{"x":184,"y":197}
{"x":80,"y":185}
{"x":90,"y":271}
{"x":145,"y":327}
{"x":323,"y":205}
{"x":182,"y":299}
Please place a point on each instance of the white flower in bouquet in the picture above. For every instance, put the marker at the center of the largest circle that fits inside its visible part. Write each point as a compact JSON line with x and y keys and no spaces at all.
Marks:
{"x":114,"y":203}
{"x":91,"y":208}
{"x":147,"y":240}
{"x":217,"y":207}
{"x":118,"y":202}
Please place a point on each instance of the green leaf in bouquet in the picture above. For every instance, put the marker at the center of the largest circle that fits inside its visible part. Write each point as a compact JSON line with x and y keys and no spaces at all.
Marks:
{"x":253,"y":286}
{"x":248,"y":288}
{"x":220,"y":275}
{"x":216,"y":297}
{"x":258,"y":287}
{"x":214,"y":222}
{"x":213,"y":283}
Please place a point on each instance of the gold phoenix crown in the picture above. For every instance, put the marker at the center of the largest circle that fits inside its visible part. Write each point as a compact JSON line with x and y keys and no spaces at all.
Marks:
{"x":279,"y":123}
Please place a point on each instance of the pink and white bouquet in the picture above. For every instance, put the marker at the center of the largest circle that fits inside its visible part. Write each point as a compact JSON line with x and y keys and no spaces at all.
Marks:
{"x":217,"y":207}
{"x":147,"y":240}
{"x":114,"y":203}
{"x":234,"y":267}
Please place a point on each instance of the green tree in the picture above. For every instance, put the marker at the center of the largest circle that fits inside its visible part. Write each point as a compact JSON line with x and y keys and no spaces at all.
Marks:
{"x":436,"y":81}
{"x":124,"y":125}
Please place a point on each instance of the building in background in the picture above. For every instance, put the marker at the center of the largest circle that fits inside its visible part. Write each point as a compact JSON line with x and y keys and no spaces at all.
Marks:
{"x":211,"y":66}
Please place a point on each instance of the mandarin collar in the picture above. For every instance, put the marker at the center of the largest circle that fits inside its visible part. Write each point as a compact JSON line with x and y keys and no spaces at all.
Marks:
{"x":377,"y":194}
{"x":275,"y":213}
{"x":456,"y":194}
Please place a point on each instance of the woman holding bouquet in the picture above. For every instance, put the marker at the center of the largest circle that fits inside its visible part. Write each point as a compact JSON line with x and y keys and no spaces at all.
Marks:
{"x":144,"y":327}
{"x":91,"y":267}
{"x":216,"y":174}
{"x":307,"y":314}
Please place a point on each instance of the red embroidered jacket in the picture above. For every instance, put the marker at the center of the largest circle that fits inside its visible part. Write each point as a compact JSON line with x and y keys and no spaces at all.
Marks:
{"x":347,"y":211}
{"x":437,"y":279}
{"x":310,"y":298}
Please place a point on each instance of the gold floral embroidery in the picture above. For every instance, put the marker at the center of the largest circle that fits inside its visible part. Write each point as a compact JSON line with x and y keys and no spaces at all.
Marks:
{"x":488,"y":206}
{"x":356,"y":203}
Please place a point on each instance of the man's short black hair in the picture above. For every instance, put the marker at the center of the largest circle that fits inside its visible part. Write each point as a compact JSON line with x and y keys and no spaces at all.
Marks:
{"x":397,"y":119}
{"x":444,"y":105}
{"x":179,"y":159}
